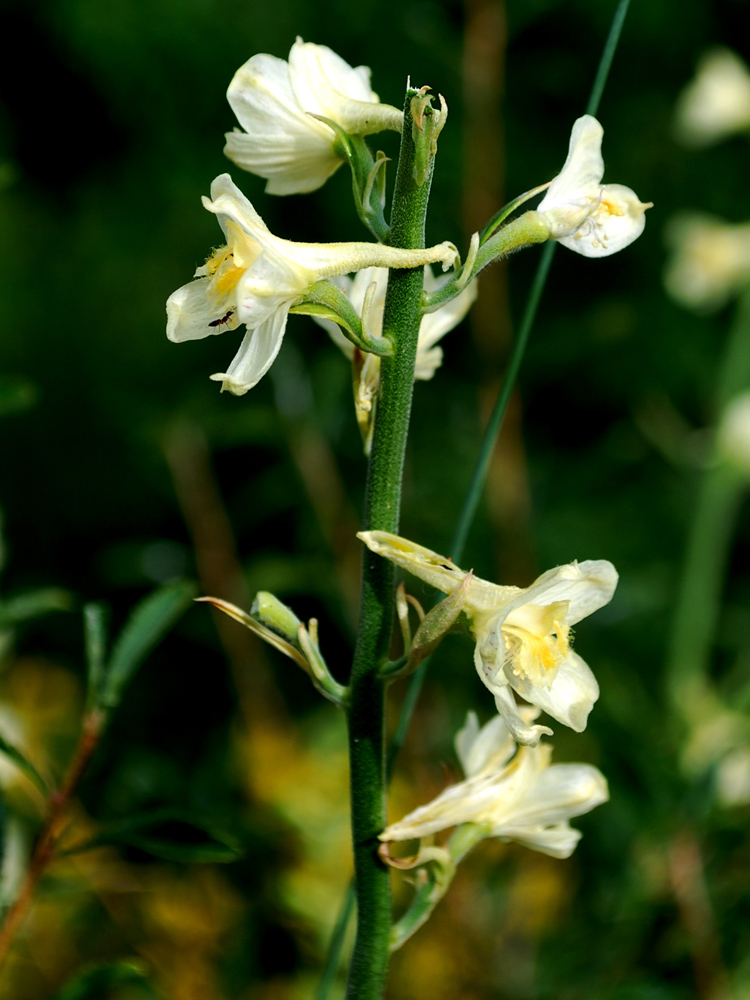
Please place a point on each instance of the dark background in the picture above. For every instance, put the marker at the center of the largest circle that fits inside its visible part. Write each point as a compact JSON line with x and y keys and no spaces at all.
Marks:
{"x":111,"y":128}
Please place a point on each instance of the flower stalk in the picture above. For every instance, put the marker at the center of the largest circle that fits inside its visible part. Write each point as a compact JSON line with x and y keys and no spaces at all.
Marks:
{"x":44,"y":852}
{"x":401,"y":322}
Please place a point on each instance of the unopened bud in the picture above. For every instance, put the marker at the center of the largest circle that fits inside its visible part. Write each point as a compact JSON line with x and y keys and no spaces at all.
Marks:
{"x":272,"y":613}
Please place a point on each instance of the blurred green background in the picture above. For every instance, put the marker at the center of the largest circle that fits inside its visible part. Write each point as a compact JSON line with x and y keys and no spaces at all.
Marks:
{"x":122,"y":466}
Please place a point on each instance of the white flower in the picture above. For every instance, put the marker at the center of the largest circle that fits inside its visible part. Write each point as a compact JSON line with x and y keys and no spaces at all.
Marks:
{"x":523,"y":799}
{"x":592,"y":218}
{"x":255,"y":278}
{"x":275,"y":102}
{"x":522,"y":635}
{"x":716,"y":102}
{"x":710,"y":260}
{"x":370,"y":306}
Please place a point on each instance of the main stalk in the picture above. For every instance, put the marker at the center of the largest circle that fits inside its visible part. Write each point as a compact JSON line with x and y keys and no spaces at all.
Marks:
{"x":401,"y":321}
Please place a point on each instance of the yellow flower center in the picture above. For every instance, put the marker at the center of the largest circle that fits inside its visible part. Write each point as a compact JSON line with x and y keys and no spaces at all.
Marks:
{"x":609,"y":206}
{"x":537,"y":641}
{"x":227,"y":264}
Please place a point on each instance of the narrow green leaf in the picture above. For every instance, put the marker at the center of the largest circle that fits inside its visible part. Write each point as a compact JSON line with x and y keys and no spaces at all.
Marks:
{"x":33,"y":604}
{"x":148,"y":623}
{"x":95,"y":637}
{"x":171,"y":834}
{"x":16,"y":394}
{"x":93,"y":983}
{"x":14,"y":754}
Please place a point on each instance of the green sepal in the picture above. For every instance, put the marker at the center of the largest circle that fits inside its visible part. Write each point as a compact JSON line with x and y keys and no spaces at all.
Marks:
{"x":499,"y":217}
{"x":432,"y":630}
{"x":367,"y":187}
{"x":427,"y":124}
{"x":329,"y":301}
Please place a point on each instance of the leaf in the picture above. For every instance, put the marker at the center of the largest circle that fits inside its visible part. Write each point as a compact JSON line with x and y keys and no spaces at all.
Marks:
{"x":148,"y":623}
{"x":33,"y":604}
{"x":16,"y":394}
{"x":14,"y":754}
{"x":91,"y":984}
{"x":95,"y":636}
{"x":171,"y":834}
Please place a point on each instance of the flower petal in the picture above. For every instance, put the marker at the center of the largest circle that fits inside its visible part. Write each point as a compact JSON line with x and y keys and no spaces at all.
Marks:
{"x":560,"y":792}
{"x":519,"y":728}
{"x":190,"y":313}
{"x":619,"y":218}
{"x":583,"y":169}
{"x":289,"y":168}
{"x":290,"y":148}
{"x":324,"y":83}
{"x":257,"y":353}
{"x":558,"y":841}
{"x":569,"y":698}
{"x":477,"y":749}
{"x":586,"y":586}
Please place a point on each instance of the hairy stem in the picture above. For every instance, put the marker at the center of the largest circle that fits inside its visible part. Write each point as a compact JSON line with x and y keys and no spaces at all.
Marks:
{"x":401,"y":322}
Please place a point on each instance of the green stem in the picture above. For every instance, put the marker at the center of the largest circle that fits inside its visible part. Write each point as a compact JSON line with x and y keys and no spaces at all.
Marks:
{"x":336,"y":946}
{"x":608,"y":54}
{"x":401,"y":321}
{"x":719,"y":496}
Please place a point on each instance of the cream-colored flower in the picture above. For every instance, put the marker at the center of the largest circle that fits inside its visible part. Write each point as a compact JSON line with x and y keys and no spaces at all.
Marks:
{"x":519,"y":797}
{"x":592,"y":218}
{"x":710,"y":260}
{"x":716,"y":103}
{"x":255,"y":278}
{"x":522,"y":635}
{"x":275,"y":101}
{"x":366,"y":292}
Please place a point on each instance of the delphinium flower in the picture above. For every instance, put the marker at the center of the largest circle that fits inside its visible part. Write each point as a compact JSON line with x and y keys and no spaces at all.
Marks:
{"x":255,"y":278}
{"x":710,"y":260}
{"x":280,"y":105}
{"x":586,"y":216}
{"x":366,"y":292}
{"x":716,"y":103}
{"x":514,"y":794}
{"x":522,"y":634}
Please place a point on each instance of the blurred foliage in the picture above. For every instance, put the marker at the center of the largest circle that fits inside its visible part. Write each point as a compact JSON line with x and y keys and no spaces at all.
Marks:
{"x":124,"y":467}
